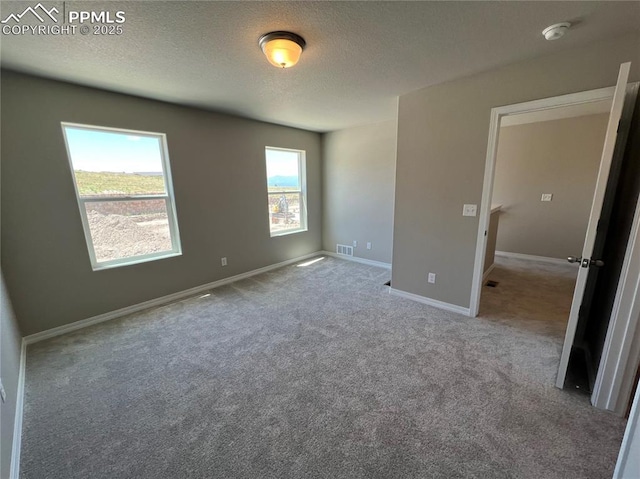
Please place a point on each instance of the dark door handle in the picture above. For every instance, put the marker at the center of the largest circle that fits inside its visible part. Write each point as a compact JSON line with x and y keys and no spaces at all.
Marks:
{"x":596,"y":262}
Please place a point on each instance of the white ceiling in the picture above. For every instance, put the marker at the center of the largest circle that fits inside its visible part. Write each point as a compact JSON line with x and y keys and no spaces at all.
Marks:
{"x":360,"y":55}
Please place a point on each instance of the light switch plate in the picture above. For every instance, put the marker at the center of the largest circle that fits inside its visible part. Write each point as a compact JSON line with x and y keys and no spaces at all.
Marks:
{"x":546,"y":197}
{"x":469,"y":210}
{"x":223,"y":261}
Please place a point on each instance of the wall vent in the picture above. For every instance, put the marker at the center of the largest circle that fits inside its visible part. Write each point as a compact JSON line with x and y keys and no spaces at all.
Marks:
{"x":344,"y":249}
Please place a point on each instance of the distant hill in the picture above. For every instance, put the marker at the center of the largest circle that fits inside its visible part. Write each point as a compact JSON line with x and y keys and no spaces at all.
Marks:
{"x":282,"y":181}
{"x":91,"y":183}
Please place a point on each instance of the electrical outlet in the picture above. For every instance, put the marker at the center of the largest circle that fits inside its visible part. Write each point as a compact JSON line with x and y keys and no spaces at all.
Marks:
{"x":223,"y":261}
{"x":355,"y":244}
{"x":469,"y":210}
{"x":431,"y":278}
{"x":3,"y":395}
{"x":546,"y":197}
{"x":368,"y":244}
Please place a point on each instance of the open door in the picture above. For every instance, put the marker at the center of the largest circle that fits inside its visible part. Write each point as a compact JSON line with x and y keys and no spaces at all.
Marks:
{"x":586,"y":261}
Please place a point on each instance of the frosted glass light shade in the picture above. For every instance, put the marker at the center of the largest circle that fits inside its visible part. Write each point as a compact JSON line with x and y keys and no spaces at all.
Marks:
{"x":282,"y":49}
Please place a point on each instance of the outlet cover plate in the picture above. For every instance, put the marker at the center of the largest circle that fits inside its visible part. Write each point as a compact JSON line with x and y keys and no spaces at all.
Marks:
{"x":546,"y":197}
{"x":431,"y":278}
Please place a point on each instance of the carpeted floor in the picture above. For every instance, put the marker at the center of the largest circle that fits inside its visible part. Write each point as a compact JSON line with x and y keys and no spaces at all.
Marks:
{"x":531,"y":295}
{"x":311,"y":372}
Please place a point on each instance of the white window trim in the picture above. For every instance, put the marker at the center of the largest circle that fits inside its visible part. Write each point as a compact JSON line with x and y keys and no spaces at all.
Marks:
{"x":168,"y":197}
{"x":302,"y":173}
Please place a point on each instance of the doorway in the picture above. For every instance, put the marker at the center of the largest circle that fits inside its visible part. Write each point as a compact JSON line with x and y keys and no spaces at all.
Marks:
{"x":546,"y":170}
{"x":610,"y":146}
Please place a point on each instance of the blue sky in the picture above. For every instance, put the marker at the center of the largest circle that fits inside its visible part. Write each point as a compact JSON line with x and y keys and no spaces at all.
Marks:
{"x":93,"y":150}
{"x":282,"y":163}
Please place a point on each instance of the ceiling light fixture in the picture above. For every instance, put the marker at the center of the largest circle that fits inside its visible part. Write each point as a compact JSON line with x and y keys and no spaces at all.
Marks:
{"x":553,"y":32}
{"x":282,"y":49}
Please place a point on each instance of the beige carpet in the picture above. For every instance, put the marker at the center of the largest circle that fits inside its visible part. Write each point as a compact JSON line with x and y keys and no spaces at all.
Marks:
{"x":531,"y":295}
{"x":313,"y":372}
{"x":533,"y":298}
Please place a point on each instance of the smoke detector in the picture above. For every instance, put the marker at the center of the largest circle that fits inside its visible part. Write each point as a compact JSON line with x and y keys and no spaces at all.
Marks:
{"x":553,"y":32}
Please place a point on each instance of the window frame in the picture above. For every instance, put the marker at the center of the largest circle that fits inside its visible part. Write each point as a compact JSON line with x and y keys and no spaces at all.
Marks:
{"x":168,"y":197}
{"x":302,"y":178}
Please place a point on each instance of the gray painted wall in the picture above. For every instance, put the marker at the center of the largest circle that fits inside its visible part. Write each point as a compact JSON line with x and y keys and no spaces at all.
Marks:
{"x":219,"y":179}
{"x":560,"y":157}
{"x":442,"y":145}
{"x":10,"y":340}
{"x":358,"y":189}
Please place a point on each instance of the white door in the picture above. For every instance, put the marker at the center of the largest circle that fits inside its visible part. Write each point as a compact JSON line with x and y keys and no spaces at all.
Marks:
{"x":596,"y":207}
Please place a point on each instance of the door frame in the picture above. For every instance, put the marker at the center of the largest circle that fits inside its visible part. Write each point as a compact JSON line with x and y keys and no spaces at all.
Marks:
{"x":497,"y":114}
{"x":631,"y":436}
{"x":621,"y":351}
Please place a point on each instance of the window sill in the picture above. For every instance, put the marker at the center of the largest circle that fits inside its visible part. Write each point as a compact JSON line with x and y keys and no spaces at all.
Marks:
{"x":145,"y":259}
{"x":286,"y":233}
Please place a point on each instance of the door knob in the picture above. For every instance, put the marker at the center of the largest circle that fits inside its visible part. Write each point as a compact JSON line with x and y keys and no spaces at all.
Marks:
{"x":596,"y":262}
{"x":573,"y":259}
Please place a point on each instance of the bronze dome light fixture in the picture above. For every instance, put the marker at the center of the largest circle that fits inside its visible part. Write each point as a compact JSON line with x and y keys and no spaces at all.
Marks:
{"x":282,"y":49}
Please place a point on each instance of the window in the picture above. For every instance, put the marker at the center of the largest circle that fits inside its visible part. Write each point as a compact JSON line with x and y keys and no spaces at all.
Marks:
{"x":123,"y":184}
{"x":287,"y":190}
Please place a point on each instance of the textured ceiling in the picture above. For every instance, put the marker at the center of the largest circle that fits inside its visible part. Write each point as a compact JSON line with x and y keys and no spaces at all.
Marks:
{"x":360,"y":55}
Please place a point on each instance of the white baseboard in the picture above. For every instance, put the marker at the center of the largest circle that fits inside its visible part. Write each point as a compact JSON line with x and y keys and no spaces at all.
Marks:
{"x":17,"y":424}
{"x":83,"y":323}
{"x":488,"y":272}
{"x":530,"y":257}
{"x":369,"y":262}
{"x":431,"y":302}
